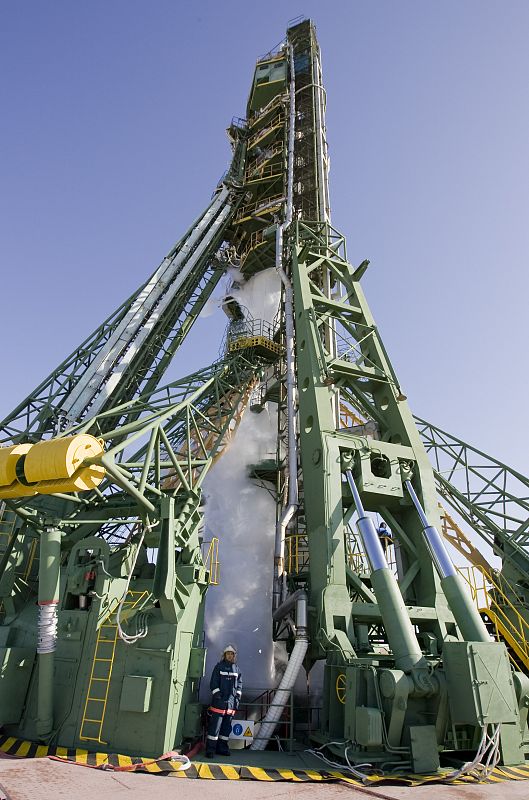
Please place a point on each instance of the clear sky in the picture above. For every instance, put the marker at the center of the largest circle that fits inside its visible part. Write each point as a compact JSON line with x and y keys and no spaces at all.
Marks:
{"x":112,"y":140}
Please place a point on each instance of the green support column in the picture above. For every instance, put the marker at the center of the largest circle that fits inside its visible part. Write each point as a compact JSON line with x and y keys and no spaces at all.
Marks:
{"x":49,"y":575}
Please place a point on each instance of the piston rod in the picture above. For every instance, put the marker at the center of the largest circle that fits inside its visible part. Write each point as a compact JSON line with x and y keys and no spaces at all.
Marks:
{"x":399,"y":630}
{"x":465,"y":612}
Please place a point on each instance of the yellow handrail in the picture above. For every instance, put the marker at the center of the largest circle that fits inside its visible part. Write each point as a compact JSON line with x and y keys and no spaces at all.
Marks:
{"x":212,"y":563}
{"x":489,"y":595}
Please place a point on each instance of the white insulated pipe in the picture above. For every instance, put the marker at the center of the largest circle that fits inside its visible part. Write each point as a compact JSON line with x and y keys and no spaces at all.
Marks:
{"x":284,"y":690}
{"x":292,"y":469}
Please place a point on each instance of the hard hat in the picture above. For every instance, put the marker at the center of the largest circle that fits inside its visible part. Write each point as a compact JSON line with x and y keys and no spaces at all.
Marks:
{"x":229,"y":649}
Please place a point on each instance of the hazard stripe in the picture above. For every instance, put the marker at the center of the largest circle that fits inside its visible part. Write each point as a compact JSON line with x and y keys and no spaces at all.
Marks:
{"x":516,"y":773}
{"x":289,"y":775}
{"x":204,"y":771}
{"x":152,"y":767}
{"x":231,"y":773}
{"x":261,"y":774}
{"x":212,"y":771}
{"x":23,"y":750}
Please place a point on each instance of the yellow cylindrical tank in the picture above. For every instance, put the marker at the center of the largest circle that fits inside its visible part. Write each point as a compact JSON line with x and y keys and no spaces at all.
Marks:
{"x":50,"y":466}
{"x":57,"y":459}
{"x":8,"y":462}
{"x":15,"y":490}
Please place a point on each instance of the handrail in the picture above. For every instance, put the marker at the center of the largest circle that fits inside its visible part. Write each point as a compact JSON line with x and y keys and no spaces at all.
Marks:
{"x":258,"y":207}
{"x":490,"y":597}
{"x":276,"y":122}
{"x":211,"y":561}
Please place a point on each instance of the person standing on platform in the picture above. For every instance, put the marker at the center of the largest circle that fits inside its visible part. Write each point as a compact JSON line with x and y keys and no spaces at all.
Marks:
{"x":226,"y":691}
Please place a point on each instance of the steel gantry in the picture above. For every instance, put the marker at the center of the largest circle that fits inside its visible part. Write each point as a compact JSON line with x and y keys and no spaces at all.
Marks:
{"x":102,"y":574}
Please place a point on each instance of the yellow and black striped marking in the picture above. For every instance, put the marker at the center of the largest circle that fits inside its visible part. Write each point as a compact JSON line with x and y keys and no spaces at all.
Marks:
{"x":228,"y":772}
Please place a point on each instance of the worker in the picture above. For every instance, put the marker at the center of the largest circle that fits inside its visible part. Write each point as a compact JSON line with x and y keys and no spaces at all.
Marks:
{"x":384,"y":535}
{"x":226,"y":690}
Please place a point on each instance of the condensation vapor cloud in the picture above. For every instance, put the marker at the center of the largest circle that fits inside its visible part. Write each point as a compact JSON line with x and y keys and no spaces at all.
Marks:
{"x":242,"y":514}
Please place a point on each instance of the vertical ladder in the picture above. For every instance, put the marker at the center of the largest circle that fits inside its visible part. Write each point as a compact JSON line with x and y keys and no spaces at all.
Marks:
{"x":101,"y":673}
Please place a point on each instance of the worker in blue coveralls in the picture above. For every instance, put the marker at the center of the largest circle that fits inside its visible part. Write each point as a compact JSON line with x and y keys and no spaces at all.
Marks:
{"x":226,"y":690}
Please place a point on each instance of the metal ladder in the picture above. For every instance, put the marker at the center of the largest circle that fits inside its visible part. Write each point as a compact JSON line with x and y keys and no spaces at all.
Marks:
{"x":101,"y":673}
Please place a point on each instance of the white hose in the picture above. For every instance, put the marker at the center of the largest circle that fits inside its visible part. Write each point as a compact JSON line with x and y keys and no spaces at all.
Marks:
{"x":125,"y":637}
{"x":484,"y":761}
{"x":184,"y":761}
{"x":47,"y":628}
{"x":356,"y":771}
{"x":282,"y":695}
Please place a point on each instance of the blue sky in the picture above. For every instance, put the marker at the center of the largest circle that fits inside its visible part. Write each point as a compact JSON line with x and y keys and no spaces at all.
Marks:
{"x":112,"y":139}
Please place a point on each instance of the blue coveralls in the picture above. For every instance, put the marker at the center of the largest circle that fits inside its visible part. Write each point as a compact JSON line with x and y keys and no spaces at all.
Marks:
{"x":226,"y":690}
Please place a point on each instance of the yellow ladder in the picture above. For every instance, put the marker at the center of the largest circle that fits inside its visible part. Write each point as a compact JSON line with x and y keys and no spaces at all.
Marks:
{"x":101,"y":673}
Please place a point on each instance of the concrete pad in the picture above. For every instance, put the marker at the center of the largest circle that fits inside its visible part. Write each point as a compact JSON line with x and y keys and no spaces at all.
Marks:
{"x":43,"y":779}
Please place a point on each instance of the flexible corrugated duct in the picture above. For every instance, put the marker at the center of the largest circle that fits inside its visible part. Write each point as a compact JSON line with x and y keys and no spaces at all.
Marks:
{"x":282,"y":695}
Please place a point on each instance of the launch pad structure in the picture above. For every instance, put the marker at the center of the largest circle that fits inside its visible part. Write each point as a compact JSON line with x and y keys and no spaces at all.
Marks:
{"x":103,"y":569}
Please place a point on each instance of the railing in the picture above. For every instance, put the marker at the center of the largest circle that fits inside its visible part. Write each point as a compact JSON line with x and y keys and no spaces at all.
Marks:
{"x":274,"y":103}
{"x":256,"y":163}
{"x":348,"y":417}
{"x":489,"y":592}
{"x":256,"y":239}
{"x":277,"y":122}
{"x":296,"y":717}
{"x":259,"y":207}
{"x":249,"y":327}
{"x":265,"y":173}
{"x":297,"y":553}
{"x":211,"y":561}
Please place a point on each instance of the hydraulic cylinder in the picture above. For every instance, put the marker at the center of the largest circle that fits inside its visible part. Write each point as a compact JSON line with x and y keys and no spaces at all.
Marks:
{"x":465,"y":612}
{"x":397,"y":624}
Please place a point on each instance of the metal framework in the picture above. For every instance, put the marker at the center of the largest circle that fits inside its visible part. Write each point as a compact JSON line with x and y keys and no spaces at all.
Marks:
{"x":114,"y":658}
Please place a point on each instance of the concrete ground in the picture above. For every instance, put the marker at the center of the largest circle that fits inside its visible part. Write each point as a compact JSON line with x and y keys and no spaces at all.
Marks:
{"x":43,"y":779}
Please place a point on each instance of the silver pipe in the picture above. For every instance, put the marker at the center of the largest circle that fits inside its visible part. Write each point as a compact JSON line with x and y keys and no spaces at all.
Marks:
{"x":292,"y":463}
{"x":439,"y":553}
{"x":287,"y":606}
{"x":291,"y":140}
{"x":459,"y":601}
{"x":366,"y":528}
{"x":321,"y":160}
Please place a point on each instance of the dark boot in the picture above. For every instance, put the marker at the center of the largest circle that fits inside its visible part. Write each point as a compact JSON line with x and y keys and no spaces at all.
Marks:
{"x":223,"y":749}
{"x":211,"y":745}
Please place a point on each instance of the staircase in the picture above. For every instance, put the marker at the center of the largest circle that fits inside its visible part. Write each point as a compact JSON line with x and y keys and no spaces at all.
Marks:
{"x":496,"y":602}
